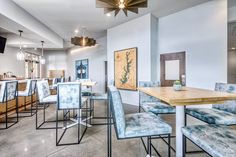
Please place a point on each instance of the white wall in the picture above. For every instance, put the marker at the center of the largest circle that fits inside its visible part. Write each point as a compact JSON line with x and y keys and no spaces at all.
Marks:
{"x":201,"y":31}
{"x":8,"y":62}
{"x":55,"y":60}
{"x":97,"y":56}
{"x":135,"y":33}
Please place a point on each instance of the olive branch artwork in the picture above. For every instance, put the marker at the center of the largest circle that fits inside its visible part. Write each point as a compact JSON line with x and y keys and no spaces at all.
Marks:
{"x":126,"y":69}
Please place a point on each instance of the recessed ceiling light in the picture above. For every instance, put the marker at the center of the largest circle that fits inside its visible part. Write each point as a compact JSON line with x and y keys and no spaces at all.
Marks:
{"x":108,"y":14}
{"x":76,"y":31}
{"x":233,"y":48}
{"x":25,"y":46}
{"x":35,"y":48}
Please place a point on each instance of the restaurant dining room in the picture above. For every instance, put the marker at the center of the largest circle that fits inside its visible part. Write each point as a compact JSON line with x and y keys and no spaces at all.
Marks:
{"x":117,"y":78}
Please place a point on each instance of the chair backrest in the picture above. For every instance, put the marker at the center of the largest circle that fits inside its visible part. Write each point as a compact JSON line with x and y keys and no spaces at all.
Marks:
{"x":54,"y":81}
{"x":8,"y":91}
{"x":117,"y":110}
{"x":145,"y":97}
{"x":69,"y":96}
{"x":229,"y":106}
{"x":31,"y":87}
{"x":63,"y":79}
{"x":43,"y":90}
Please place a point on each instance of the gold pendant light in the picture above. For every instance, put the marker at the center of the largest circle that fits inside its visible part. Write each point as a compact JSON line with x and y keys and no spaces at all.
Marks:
{"x":125,"y":5}
{"x":82,"y":40}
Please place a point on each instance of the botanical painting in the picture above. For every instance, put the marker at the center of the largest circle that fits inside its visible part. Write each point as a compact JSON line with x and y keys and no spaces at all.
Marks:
{"x":126,"y":69}
{"x":82,"y":69}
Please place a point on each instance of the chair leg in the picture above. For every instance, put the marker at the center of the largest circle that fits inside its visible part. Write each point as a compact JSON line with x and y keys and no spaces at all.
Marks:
{"x":6,"y":115}
{"x":149,"y":146}
{"x":184,"y":146}
{"x":169,"y":146}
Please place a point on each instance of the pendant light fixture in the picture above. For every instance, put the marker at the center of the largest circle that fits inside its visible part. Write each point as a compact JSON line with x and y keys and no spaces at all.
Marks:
{"x":83,"y":41}
{"x":124,"y":5}
{"x":42,"y":59}
{"x":20,"y":54}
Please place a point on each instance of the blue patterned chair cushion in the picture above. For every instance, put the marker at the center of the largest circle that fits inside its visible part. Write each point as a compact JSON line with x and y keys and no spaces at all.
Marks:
{"x":152,"y":104}
{"x":145,"y":97}
{"x":69,"y":96}
{"x":158,"y":108}
{"x":8,"y":91}
{"x":217,"y":140}
{"x":229,"y":106}
{"x":145,"y":124}
{"x":43,"y":90}
{"x":212,"y":116}
{"x":117,"y":110}
{"x":134,"y":125}
{"x":30,"y":88}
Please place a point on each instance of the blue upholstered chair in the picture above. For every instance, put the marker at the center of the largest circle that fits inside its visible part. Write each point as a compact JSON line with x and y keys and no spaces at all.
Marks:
{"x":220,"y":113}
{"x":135,"y":125}
{"x":45,"y":98}
{"x":151,"y":104}
{"x":69,"y":98}
{"x":29,"y":91}
{"x":8,"y":92}
{"x":215,"y":140}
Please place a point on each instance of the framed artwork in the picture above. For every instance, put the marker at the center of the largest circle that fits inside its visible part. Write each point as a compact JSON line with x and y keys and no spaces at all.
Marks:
{"x":82,"y":69}
{"x":126,"y":69}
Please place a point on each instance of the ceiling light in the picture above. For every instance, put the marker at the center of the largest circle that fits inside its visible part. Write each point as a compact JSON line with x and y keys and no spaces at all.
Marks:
{"x":125,"y":5}
{"x":108,"y":14}
{"x":35,"y":48}
{"x":42,"y":59}
{"x":83,"y":41}
{"x":20,"y":54}
{"x":76,"y":31}
{"x":25,"y":46}
{"x":233,"y":48}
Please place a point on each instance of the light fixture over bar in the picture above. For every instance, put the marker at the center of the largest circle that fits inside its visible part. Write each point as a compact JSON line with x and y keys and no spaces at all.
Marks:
{"x":125,"y":5}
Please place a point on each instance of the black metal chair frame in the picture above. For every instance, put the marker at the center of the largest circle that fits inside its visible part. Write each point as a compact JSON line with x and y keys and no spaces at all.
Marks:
{"x":159,"y":137}
{"x":66,"y":117}
{"x":32,"y":109}
{"x":92,"y":113}
{"x":5,"y":95}
{"x":147,"y":148}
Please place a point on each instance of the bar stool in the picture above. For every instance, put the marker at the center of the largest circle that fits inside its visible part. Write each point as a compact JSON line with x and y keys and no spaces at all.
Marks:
{"x":8,"y":93}
{"x":44,"y":98}
{"x":28,"y":92}
{"x":69,"y":98}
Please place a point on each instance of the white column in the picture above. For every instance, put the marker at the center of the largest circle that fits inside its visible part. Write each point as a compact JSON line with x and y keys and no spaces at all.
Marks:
{"x":180,"y":118}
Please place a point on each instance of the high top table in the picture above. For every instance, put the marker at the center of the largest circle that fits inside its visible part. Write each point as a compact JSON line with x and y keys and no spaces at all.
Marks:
{"x":186,"y":97}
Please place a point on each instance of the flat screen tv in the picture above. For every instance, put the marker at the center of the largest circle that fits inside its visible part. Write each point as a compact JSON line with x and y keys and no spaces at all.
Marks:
{"x":2,"y":44}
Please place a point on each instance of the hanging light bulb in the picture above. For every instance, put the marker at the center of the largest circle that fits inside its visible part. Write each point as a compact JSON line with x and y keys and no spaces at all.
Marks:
{"x":121,"y":4}
{"x":42,"y":59}
{"x":20,"y":54}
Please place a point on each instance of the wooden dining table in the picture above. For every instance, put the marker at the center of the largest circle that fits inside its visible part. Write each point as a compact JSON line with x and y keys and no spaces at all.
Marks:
{"x":186,"y":97}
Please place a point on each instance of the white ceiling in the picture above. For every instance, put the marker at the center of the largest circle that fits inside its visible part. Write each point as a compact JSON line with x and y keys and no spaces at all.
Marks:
{"x":64,"y":16}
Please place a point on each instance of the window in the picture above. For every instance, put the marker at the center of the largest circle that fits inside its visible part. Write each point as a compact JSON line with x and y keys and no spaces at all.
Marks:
{"x":32,"y":66}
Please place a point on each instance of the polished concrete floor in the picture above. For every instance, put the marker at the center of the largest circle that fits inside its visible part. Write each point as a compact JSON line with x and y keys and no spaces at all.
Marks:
{"x":23,"y":140}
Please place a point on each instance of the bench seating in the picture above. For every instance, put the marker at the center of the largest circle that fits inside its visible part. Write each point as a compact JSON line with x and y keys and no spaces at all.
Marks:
{"x":216,"y":140}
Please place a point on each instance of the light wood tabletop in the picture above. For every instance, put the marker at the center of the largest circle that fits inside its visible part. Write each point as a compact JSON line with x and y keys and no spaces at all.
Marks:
{"x":89,"y":84}
{"x":187,"y":96}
